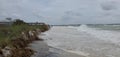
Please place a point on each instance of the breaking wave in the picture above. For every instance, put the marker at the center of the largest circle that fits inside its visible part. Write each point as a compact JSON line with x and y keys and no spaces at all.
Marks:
{"x":107,"y":35}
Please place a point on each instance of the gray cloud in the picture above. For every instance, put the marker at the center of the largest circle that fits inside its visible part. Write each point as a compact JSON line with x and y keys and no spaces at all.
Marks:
{"x":72,"y":13}
{"x":62,"y":11}
{"x":110,"y":5}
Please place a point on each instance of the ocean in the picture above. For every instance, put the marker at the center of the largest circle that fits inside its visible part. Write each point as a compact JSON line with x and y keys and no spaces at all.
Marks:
{"x":104,"y":32}
{"x":85,"y":40}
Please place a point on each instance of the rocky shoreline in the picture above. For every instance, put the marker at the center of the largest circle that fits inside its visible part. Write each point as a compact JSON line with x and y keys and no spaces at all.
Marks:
{"x":19,"y":46}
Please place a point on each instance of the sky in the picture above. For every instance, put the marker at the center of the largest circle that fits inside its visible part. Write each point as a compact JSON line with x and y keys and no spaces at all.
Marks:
{"x":62,"y":11}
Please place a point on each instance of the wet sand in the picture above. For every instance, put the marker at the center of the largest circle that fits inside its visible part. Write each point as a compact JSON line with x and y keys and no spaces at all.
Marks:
{"x":79,"y":43}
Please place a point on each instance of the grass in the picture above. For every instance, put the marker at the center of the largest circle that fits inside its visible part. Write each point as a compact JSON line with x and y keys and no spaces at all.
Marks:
{"x":3,"y":34}
{"x":9,"y":32}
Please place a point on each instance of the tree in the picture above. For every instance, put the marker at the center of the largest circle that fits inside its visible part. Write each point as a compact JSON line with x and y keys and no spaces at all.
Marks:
{"x":18,"y":22}
{"x":10,"y":20}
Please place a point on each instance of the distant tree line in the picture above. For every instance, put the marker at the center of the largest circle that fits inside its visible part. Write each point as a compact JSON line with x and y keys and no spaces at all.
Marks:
{"x":16,"y":21}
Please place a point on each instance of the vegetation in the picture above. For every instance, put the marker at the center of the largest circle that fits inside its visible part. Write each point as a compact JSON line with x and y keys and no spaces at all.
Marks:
{"x":18,"y":22}
{"x":13,"y":37}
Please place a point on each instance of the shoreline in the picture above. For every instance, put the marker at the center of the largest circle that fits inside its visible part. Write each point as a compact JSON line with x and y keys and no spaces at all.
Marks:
{"x":56,"y":52}
{"x":42,"y":49}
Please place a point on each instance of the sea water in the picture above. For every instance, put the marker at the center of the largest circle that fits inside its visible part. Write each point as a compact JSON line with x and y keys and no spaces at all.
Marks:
{"x":86,"y":40}
{"x":104,"y":32}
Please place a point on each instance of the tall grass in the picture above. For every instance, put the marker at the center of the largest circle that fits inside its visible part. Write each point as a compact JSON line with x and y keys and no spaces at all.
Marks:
{"x":9,"y":32}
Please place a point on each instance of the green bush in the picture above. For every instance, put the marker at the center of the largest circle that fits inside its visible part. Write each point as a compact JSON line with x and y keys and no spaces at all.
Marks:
{"x":18,"y":22}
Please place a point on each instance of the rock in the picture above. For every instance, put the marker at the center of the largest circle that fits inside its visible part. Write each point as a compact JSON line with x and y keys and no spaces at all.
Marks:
{"x":1,"y":53}
{"x":25,"y":36}
{"x":31,"y":33}
{"x":38,"y":30}
{"x":6,"y":51}
{"x":21,"y":52}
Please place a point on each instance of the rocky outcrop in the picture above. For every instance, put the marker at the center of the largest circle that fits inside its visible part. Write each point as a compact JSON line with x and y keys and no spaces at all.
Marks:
{"x":18,"y":45}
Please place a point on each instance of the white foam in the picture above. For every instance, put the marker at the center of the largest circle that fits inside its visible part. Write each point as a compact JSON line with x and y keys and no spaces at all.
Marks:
{"x":75,"y":52}
{"x":79,"y":53}
{"x":83,"y":28}
{"x":70,"y":27}
{"x":106,"y":35}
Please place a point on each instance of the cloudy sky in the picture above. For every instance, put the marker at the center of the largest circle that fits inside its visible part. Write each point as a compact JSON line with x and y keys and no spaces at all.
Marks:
{"x":62,"y":11}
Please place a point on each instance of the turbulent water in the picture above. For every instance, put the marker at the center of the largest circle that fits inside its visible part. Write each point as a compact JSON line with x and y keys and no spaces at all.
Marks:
{"x":86,"y":40}
{"x":104,"y":32}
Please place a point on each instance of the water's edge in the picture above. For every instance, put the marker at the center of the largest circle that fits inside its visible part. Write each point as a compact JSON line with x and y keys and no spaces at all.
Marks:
{"x":43,"y":50}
